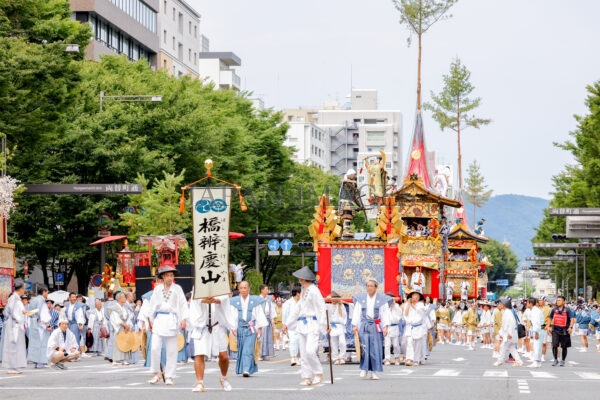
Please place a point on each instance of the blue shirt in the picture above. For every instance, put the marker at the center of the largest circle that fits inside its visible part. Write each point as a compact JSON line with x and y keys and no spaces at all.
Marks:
{"x":583,"y":318}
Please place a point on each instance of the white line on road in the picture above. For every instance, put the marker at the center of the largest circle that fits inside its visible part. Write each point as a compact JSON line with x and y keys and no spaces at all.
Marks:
{"x":496,"y":373}
{"x":135,"y":383}
{"x":447,"y":372}
{"x":523,"y":386}
{"x":542,"y":374}
{"x":459,"y":359}
{"x":588,"y":375}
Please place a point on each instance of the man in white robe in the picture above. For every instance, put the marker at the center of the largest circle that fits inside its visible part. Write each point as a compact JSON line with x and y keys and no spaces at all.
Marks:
{"x":96,"y":321}
{"x":464,"y":290}
{"x":337,"y":321}
{"x":288,"y":308}
{"x":62,"y":346}
{"x":415,"y":315}
{"x":168,"y":308}
{"x":38,"y":329}
{"x":14,"y":357}
{"x":395,"y":330}
{"x":308,"y":319}
{"x":509,"y":334}
{"x":209,"y":320}
{"x":120,"y":319}
{"x":417,"y":281}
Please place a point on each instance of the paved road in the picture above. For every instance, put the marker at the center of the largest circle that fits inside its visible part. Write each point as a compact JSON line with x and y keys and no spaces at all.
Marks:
{"x":452,"y":371}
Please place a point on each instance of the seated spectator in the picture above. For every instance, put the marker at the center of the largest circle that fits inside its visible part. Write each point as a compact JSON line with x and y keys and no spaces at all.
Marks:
{"x":62,"y":345}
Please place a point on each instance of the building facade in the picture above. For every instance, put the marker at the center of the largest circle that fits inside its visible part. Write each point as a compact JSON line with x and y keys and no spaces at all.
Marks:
{"x":310,"y":144}
{"x":217,"y":67}
{"x":180,"y":38}
{"x":126,"y":27}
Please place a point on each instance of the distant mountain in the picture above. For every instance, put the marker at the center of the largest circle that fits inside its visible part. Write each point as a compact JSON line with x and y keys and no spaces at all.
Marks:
{"x":511,"y":217}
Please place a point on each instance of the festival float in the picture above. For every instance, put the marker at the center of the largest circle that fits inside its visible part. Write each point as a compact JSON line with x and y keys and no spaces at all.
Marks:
{"x":406,"y":234}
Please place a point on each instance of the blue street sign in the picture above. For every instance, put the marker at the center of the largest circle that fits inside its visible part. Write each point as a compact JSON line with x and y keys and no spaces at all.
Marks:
{"x":28,"y":285}
{"x":286,"y":245}
{"x":273,"y":245}
{"x":502,"y":282}
{"x":59,"y":277}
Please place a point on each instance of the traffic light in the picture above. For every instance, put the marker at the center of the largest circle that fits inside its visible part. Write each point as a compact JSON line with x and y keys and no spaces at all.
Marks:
{"x":305,"y":244}
{"x":559,"y":236}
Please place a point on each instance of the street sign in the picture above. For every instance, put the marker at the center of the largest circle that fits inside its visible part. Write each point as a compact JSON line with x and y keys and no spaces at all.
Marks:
{"x":270,"y":235}
{"x":542,"y":267}
{"x":94,"y":188}
{"x":502,"y":282}
{"x":28,"y":286}
{"x":103,"y":234}
{"x":97,"y":280}
{"x":566,"y":245}
{"x":104,"y":221}
{"x":286,"y":246}
{"x":554,"y":258}
{"x":274,"y":252}
{"x":59,"y":278}
{"x":273,"y":245}
{"x":584,"y":212}
{"x":583,"y":227}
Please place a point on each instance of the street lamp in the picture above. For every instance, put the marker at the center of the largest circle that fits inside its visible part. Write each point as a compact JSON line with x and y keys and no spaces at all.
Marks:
{"x":130,"y":98}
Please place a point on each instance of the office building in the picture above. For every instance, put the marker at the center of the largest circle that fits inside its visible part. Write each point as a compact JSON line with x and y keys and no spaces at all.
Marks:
{"x":217,"y":67}
{"x":127,"y":27}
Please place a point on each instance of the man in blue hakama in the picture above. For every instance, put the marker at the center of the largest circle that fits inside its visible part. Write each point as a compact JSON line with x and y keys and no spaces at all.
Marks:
{"x":75,"y":313}
{"x":370,"y":321}
{"x":250,"y":321}
{"x":38,"y":329}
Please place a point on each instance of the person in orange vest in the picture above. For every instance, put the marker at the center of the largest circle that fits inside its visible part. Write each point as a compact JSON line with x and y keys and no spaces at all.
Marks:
{"x":562,"y":320}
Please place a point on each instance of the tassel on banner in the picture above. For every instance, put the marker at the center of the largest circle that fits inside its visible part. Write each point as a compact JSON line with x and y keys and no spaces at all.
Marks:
{"x":182,"y":201}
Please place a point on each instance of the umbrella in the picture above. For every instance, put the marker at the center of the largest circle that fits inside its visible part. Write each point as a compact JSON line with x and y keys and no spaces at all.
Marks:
{"x":58,"y":297}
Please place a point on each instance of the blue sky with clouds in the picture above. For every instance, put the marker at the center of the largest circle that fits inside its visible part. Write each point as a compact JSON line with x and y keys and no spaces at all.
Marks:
{"x":530,"y":61}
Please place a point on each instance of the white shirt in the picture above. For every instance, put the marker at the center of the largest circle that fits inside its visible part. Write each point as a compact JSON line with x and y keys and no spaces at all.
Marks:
{"x":220,"y":314}
{"x":537,"y":319}
{"x":173,"y":303}
{"x":78,"y":314}
{"x":95,"y":316}
{"x":395,"y":317}
{"x":457,"y":320}
{"x":417,"y":278}
{"x":288,"y":308}
{"x":416,"y":320}
{"x":509,"y":326}
{"x":464,"y":288}
{"x":119,"y":315}
{"x":57,"y":339}
{"x":268,"y":308}
{"x":311,"y":305}
{"x":337,"y":319}
{"x":258,"y":316}
{"x":384,"y":312}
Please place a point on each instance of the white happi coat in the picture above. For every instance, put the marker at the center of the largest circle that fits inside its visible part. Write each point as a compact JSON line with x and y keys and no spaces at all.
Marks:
{"x":449,"y":290}
{"x":57,"y":340}
{"x":221,"y":318}
{"x":311,"y":305}
{"x":509,"y":327}
{"x":13,"y":350}
{"x":416,"y":321}
{"x":414,"y":282}
{"x":396,"y":316}
{"x":464,"y":289}
{"x":175,"y":306}
{"x":337,"y":319}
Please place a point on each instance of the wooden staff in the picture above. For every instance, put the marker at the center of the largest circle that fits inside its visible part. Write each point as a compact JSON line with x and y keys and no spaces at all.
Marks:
{"x":330,"y":350}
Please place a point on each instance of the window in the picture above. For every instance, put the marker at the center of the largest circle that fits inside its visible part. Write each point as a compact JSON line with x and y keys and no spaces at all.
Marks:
{"x":165,"y":36}
{"x":374,"y":149}
{"x":190,"y":55}
{"x":173,"y":13}
{"x":165,"y":62}
{"x":290,"y":118}
{"x":195,"y":58}
{"x":355,"y":149}
{"x":376,"y":136}
{"x":173,"y":42}
{"x":190,"y":27}
{"x":165,"y":6}
{"x":388,"y":165}
{"x":180,"y":23}
{"x":195,"y":31}
{"x":180,"y":51}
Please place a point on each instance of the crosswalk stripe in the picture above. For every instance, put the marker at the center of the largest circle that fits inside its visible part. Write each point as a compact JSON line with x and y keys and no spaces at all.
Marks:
{"x":496,"y":373}
{"x":542,"y":374}
{"x":447,"y":372}
{"x":588,"y":375}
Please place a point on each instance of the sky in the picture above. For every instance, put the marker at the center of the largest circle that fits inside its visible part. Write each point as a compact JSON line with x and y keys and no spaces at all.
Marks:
{"x":530,"y":62}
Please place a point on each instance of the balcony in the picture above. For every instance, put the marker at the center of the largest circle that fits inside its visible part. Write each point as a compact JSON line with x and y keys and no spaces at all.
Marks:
{"x":229,"y":79}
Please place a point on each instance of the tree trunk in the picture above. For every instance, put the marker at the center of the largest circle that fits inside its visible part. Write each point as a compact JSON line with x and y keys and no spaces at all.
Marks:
{"x":458,"y":135}
{"x":474,"y":217}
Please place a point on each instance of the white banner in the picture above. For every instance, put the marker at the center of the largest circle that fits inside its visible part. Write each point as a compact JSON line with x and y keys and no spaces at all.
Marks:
{"x":210,"y":219}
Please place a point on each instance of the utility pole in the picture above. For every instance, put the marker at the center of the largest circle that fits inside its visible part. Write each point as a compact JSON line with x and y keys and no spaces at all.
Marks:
{"x":576,"y":275}
{"x":584,"y":280}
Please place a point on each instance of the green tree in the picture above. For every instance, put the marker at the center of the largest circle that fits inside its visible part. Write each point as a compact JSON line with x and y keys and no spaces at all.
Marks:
{"x":418,"y":16}
{"x":576,"y":186}
{"x":452,"y":108}
{"x":475,"y":192}
{"x":505,"y":263}
{"x":157,"y":209}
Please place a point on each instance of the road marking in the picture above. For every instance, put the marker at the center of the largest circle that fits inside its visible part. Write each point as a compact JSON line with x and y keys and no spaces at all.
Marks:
{"x":588,"y":375}
{"x":281,"y":361}
{"x":401,"y":372}
{"x":447,"y":372}
{"x":496,"y":373}
{"x":523,"y":386}
{"x":135,"y":383}
{"x":572,"y":362}
{"x":542,"y":374}
{"x":459,"y":359}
